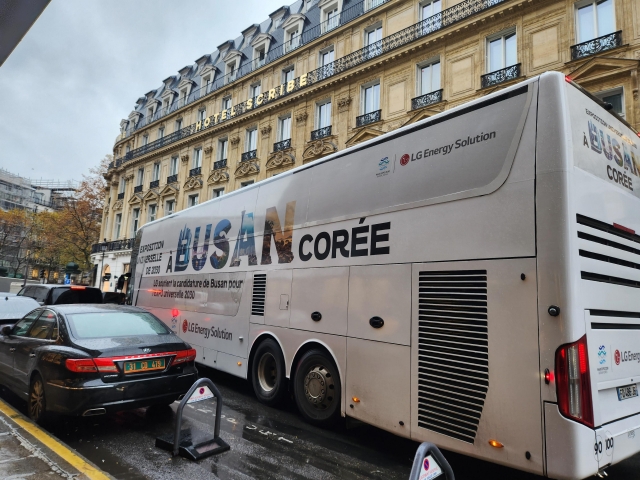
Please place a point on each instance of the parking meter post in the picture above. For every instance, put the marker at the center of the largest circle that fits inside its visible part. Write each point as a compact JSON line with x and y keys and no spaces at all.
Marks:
{"x":424,"y":450}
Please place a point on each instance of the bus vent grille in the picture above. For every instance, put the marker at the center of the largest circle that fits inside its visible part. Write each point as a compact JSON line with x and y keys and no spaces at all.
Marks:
{"x":259,"y":294}
{"x":453,"y":351}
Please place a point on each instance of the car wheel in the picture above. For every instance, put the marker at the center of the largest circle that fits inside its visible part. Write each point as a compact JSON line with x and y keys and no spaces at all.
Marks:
{"x":268,"y":373}
{"x":317,"y":388}
{"x":37,"y":404}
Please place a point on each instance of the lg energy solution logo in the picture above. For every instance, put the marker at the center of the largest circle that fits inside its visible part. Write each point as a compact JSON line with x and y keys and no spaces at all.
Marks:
{"x":626,"y":356}
{"x":206,"y":332}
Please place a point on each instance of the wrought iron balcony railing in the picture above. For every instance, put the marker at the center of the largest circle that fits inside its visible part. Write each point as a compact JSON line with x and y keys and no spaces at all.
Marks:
{"x":597,"y":45}
{"x":368,"y":118}
{"x":321,"y":133}
{"x":500,"y":76}
{"x":120,"y":196}
{"x":154,"y":184}
{"x":427,"y":99}
{"x":248,"y":155}
{"x":194,"y":172}
{"x":137,"y":189}
{"x":220,"y":164}
{"x":172,"y":178}
{"x":446,"y":18}
{"x":283,"y":145}
{"x":126,"y":244}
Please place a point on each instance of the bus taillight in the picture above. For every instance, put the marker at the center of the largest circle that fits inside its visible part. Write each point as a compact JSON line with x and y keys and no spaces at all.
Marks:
{"x":573,"y":382}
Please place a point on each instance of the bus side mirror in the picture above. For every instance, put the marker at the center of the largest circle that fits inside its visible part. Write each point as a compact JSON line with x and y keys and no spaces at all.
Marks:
{"x":430,"y":463}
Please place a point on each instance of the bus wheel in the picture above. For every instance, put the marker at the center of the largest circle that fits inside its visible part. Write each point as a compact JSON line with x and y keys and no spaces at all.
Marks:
{"x":267,"y":373}
{"x":317,"y":388}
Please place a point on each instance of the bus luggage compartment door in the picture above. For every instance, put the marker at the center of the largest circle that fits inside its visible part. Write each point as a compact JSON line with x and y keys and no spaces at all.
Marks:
{"x":613,"y":343}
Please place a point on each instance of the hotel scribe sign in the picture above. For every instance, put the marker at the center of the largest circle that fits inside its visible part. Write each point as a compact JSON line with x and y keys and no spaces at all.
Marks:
{"x":262,"y":99}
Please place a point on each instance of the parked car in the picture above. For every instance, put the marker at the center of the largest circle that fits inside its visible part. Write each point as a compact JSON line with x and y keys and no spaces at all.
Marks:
{"x":52,"y":294}
{"x":13,"y":308}
{"x":94,"y":359}
{"x":118,"y":298}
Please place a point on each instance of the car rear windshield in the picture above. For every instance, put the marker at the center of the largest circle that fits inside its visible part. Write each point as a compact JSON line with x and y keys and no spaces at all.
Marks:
{"x":66,"y":295}
{"x":115,"y":324}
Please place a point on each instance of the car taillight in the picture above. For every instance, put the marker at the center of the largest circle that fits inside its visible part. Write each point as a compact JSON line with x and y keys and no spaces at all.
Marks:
{"x":105,"y":365}
{"x":84,"y":365}
{"x":573,"y":382}
{"x":185,"y":356}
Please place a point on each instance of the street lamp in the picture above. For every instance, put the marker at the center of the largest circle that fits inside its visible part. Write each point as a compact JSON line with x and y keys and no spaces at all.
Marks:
{"x":103,"y":248}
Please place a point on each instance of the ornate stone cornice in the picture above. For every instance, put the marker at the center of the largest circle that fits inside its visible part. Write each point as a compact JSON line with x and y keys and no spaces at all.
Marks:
{"x":319,"y":148}
{"x":193,"y":183}
{"x":283,"y":158}
{"x":245,"y":169}
{"x":117,"y":206}
{"x":218,"y":176}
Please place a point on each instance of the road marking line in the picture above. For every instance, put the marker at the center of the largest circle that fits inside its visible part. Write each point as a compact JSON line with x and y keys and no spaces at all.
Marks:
{"x":55,"y":446}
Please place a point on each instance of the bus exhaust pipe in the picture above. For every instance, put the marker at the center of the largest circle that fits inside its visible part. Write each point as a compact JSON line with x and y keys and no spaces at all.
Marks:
{"x":92,"y":412}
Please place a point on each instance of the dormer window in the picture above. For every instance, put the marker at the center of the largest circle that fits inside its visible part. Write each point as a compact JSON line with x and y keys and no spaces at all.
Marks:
{"x":293,"y":40}
{"x":329,"y":14}
{"x":183,"y":97}
{"x":206,"y":84}
{"x":260,"y":57}
{"x":292,"y":31}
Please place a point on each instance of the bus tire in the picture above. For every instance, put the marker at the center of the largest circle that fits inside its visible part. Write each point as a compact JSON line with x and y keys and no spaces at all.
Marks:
{"x":268,"y":375}
{"x":317,"y":388}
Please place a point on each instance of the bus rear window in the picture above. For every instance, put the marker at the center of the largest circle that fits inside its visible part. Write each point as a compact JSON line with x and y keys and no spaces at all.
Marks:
{"x":115,"y":324}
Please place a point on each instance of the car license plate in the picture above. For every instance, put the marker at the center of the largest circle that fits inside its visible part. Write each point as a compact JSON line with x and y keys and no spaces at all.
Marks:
{"x":627,"y":392}
{"x":144,"y":365}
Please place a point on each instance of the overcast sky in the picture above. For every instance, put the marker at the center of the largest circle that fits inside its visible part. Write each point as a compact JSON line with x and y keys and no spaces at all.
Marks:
{"x":83,"y":65}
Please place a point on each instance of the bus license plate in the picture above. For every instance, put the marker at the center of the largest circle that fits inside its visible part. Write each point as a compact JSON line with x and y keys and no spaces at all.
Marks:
{"x":627,"y":392}
{"x":144,"y":365}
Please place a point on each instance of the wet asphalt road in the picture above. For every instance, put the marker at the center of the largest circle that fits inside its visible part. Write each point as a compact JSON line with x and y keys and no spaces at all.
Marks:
{"x":266,"y":443}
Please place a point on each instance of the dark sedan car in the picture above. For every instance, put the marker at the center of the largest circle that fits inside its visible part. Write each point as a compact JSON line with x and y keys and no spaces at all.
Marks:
{"x":93,"y":359}
{"x":53,"y":294}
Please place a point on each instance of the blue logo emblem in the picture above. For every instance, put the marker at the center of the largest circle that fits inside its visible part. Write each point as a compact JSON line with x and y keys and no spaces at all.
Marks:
{"x":383,"y":164}
{"x":602,"y":355}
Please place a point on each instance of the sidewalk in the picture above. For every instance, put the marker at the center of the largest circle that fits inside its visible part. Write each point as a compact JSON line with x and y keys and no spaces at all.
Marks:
{"x":28,"y":452}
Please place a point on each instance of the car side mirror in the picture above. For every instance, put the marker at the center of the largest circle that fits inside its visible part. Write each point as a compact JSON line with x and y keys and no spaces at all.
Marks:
{"x":6,"y":330}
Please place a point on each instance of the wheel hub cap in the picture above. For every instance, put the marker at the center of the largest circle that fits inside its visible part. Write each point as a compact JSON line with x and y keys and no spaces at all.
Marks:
{"x":318,"y":387}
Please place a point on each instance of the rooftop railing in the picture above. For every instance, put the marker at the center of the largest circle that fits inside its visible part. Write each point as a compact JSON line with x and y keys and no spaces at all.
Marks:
{"x":447,"y":17}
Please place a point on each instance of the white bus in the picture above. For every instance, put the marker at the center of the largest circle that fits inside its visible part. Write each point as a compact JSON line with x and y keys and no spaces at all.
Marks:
{"x":472,"y":280}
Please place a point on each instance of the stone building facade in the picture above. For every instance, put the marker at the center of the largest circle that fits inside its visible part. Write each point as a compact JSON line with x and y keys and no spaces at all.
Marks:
{"x":323,"y":75}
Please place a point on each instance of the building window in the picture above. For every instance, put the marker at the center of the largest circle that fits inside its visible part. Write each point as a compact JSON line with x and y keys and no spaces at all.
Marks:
{"x":135,"y":221}
{"x":332,"y":19}
{"x":178,"y":124}
{"x":197,"y":158}
{"x":170,"y":206}
{"x":284,"y":128}
{"x":429,"y":78}
{"x":156,"y":171}
{"x":173,"y":166}
{"x":145,"y":140}
{"x":372,"y":41}
{"x":192,"y":201}
{"x":615,"y":98}
{"x":223,"y":146}
{"x":246,"y":184}
{"x":428,"y":9}
{"x":323,"y":118}
{"x":327,"y":57}
{"x":122,"y":185}
{"x":160,"y":133}
{"x":252,"y":139}
{"x":152,"y":213}
{"x":501,"y":51}
{"x":202,"y":114}
{"x":140,"y":177}
{"x":206,"y":84}
{"x":128,"y":148}
{"x":293,"y":40}
{"x":288,"y":74}
{"x":217,"y":192}
{"x":116,"y":226}
{"x":371,"y":98}
{"x":226,"y":103}
{"x":255,"y":90}
{"x":231,"y":71}
{"x":260,"y":57}
{"x":594,"y":18}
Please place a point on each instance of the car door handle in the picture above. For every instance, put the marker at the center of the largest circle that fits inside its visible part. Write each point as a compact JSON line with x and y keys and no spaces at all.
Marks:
{"x":32,"y":355}
{"x":12,"y":350}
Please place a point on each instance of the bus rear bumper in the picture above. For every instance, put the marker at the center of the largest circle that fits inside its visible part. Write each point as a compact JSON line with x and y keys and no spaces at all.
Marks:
{"x":571,"y":447}
{"x":622,"y":437}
